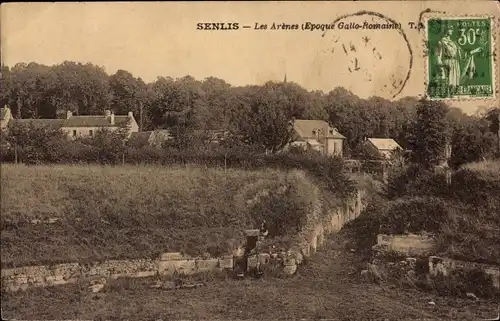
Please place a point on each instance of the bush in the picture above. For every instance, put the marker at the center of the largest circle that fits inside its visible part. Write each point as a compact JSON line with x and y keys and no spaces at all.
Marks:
{"x":414,"y":180}
{"x":285,"y":213}
{"x":415,"y":215}
{"x":477,"y":189}
{"x":365,"y":228}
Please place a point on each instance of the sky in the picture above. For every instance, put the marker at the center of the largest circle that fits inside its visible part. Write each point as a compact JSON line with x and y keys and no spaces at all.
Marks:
{"x":152,"y":39}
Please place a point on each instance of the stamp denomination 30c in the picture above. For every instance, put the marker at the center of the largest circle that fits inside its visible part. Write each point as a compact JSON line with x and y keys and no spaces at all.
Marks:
{"x":460,"y":58}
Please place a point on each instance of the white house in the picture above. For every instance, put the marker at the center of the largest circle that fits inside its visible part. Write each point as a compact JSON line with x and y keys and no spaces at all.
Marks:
{"x":317,"y":135}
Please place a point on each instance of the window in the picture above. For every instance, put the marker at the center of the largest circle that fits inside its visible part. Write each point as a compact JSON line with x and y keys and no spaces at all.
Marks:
{"x":74,"y":133}
{"x":91,"y":133}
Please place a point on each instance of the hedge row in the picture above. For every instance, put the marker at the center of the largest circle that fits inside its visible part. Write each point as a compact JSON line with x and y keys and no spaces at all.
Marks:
{"x":327,"y":170}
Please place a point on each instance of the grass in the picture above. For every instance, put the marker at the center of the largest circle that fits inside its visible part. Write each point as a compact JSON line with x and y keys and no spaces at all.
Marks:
{"x":138,"y":211}
{"x":489,"y":168}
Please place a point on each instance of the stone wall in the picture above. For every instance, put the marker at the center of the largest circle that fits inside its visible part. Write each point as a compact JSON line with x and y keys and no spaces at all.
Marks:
{"x":409,"y":244}
{"x":49,"y":275}
{"x":445,"y":266}
{"x":423,"y":267}
{"x":309,"y":240}
{"x":168,"y":264}
{"x":320,"y":226}
{"x":320,"y":223}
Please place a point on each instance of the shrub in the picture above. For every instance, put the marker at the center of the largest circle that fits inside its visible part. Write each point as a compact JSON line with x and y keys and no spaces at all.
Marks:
{"x":414,"y":180}
{"x":477,"y":188}
{"x":415,"y":215}
{"x":365,"y":228}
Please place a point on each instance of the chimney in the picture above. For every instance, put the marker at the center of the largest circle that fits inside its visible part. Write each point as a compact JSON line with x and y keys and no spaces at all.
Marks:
{"x":130,"y":114}
{"x":107,"y":113}
{"x":69,"y":114}
{"x":112,"y":118}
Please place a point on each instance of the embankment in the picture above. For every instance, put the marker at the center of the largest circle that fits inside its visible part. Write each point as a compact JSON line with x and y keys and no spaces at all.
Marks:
{"x":120,"y":221}
{"x":130,"y":212}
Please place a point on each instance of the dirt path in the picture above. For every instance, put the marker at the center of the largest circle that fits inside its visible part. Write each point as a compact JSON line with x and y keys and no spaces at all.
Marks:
{"x":327,"y":288}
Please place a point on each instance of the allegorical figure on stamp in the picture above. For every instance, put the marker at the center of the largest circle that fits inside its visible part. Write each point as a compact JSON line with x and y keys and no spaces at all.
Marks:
{"x":449,"y":59}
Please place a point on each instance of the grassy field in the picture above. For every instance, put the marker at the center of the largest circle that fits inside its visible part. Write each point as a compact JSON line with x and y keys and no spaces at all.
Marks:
{"x":327,"y":288}
{"x":138,"y":211}
{"x":487,"y":169}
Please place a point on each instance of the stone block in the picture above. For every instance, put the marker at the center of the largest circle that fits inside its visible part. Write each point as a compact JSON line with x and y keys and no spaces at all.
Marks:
{"x":187,"y":267}
{"x":59,"y":282}
{"x":169,"y":256}
{"x":406,"y":244}
{"x":226,"y":262}
{"x":143,"y":274}
{"x":314,"y":243}
{"x":438,"y":266}
{"x":50,"y":279}
{"x":21,"y":279}
{"x":495,"y":276}
{"x":264,"y":258}
{"x":290,"y":269}
{"x":254,"y":232}
{"x":252,"y":261}
{"x":8,"y":272}
{"x":299,"y":258}
{"x":207,"y":265}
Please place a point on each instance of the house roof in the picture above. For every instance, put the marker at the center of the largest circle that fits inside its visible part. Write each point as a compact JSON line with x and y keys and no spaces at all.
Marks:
{"x":78,"y":121}
{"x":56,"y":123}
{"x":94,"y":121}
{"x":384,"y":143}
{"x":305,"y":128}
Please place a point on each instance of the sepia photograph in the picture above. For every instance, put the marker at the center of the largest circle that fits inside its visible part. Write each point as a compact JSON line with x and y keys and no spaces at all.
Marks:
{"x":250,"y":160}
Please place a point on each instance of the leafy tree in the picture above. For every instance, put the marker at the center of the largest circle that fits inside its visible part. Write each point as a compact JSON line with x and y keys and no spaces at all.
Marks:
{"x":493,"y":116}
{"x":471,"y":142}
{"x":215,"y":112}
{"x":84,"y":88}
{"x":34,"y":143}
{"x":430,"y":133}
{"x":109,"y":144}
{"x":262,"y":118}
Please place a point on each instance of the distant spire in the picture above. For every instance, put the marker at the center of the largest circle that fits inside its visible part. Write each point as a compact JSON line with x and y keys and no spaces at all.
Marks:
{"x":284,"y":80}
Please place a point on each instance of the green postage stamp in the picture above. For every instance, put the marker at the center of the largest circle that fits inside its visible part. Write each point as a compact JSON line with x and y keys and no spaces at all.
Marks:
{"x":460,"y":62}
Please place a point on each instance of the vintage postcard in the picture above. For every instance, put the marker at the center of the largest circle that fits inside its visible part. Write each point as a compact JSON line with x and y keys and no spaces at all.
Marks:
{"x":333,"y":160}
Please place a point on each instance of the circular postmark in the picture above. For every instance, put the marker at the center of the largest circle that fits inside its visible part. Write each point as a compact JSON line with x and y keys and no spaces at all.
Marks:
{"x":367,"y":53}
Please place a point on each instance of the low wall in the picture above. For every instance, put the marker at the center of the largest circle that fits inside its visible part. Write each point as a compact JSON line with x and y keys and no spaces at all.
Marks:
{"x":320,"y":226}
{"x":167,"y":264}
{"x":409,"y":244}
{"x":445,"y":266}
{"x":309,"y":240}
{"x":419,"y":265}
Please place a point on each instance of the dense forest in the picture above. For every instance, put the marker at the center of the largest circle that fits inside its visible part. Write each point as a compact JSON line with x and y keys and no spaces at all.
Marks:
{"x":39,"y":91}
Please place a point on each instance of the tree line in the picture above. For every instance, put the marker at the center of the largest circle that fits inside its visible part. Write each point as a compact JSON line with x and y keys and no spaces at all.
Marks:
{"x":259,"y":115}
